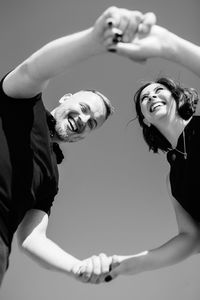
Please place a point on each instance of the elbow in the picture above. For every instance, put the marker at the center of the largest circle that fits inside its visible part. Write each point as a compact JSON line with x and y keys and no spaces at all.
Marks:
{"x":197,"y":240}
{"x":193,"y":238}
{"x":31,"y":247}
{"x":27,"y":245}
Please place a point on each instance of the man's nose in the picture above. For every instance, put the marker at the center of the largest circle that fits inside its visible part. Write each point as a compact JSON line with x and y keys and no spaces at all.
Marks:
{"x":85,"y":118}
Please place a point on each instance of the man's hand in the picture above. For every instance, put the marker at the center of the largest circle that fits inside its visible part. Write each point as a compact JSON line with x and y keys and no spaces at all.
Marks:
{"x":93,"y":269}
{"x":123,"y":23}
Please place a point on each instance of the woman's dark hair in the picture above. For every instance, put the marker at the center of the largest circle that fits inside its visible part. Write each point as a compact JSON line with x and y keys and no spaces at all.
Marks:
{"x":186,"y":100}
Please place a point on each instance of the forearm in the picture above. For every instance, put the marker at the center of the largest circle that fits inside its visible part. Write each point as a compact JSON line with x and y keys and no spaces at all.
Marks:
{"x":49,"y":255}
{"x":56,"y":56}
{"x":182,"y":52}
{"x":175,"y":250}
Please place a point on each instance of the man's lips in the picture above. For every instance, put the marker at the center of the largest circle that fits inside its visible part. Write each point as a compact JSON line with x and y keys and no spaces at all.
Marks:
{"x":75,"y":124}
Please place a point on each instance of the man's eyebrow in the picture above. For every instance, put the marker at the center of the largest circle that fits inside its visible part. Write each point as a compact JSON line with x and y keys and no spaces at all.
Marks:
{"x":86,"y":105}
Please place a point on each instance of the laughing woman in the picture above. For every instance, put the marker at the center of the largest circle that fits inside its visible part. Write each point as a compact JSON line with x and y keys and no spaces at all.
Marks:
{"x":167,"y":114}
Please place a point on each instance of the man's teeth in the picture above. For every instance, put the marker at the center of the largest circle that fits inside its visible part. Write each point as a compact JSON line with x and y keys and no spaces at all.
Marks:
{"x":72,"y":124}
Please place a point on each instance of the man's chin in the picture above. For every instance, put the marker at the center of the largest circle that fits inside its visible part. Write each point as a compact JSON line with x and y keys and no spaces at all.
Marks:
{"x":68,"y":139}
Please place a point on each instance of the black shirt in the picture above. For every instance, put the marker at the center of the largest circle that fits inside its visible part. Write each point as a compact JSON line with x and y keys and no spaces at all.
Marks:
{"x":28,"y":167}
{"x":184,"y":173}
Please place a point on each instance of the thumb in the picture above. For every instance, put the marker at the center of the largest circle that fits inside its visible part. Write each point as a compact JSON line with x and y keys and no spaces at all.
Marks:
{"x":128,"y":50}
{"x":113,"y":274}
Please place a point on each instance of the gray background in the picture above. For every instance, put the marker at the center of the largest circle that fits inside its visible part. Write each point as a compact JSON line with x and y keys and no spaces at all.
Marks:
{"x":112,"y":196}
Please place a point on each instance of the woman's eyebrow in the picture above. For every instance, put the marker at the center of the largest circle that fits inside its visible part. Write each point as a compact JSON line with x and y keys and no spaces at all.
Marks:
{"x":146,"y":94}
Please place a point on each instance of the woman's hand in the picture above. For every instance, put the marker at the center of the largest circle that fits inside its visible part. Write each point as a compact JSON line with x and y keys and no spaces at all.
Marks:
{"x":121,"y":23}
{"x":155,"y":43}
{"x":126,"y":265}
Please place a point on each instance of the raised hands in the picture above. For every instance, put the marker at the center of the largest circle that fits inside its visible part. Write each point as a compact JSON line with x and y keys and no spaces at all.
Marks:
{"x":119,"y":23}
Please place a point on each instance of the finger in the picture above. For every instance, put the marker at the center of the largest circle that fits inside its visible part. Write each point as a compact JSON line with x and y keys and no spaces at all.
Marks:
{"x":113,"y":33}
{"x":112,"y":275}
{"x":96,"y":263}
{"x":148,"y":21}
{"x":82,"y":274}
{"x":110,"y":22}
{"x":105,"y":263}
{"x":115,"y":269}
{"x":118,"y":18}
{"x":86,"y":275}
{"x":135,"y":19}
{"x":129,"y":50}
{"x":112,"y":17}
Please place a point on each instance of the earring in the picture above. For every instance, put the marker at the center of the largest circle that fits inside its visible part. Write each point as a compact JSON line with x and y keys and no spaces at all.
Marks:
{"x":147,"y":123}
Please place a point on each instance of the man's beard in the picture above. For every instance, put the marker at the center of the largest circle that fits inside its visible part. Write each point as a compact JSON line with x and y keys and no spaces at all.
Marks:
{"x":62,"y":134}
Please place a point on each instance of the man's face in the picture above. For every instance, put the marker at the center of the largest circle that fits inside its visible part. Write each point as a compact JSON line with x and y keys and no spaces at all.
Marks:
{"x":77,"y":115}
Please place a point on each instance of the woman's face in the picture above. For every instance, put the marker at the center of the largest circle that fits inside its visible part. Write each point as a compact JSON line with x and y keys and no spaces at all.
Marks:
{"x":157,"y":104}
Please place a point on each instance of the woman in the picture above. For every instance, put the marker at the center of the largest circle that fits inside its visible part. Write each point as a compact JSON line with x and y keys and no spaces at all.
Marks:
{"x":166,"y":113}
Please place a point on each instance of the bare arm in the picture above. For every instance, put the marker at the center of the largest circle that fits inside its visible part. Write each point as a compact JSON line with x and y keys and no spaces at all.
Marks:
{"x":33,"y":75}
{"x":180,"y":247}
{"x":160,"y":42}
{"x":34,"y":241}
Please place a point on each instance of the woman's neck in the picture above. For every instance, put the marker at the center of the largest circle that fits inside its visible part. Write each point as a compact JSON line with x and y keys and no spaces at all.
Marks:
{"x":173,"y":130}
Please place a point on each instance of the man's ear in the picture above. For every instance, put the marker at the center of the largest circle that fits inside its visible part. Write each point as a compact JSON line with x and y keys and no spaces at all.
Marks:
{"x":146,"y":122}
{"x":64,"y":98}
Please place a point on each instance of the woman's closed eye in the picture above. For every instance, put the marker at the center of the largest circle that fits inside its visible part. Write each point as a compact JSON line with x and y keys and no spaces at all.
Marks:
{"x":159,"y":89}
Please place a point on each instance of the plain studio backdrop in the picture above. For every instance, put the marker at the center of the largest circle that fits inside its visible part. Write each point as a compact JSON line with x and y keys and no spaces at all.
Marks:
{"x":113,"y":196}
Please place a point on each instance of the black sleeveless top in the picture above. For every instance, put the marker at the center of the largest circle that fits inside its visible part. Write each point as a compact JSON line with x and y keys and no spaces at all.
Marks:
{"x":184,"y":178}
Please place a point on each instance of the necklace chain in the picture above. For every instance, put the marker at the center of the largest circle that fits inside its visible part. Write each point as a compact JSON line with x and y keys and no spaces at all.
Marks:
{"x":184,"y":146}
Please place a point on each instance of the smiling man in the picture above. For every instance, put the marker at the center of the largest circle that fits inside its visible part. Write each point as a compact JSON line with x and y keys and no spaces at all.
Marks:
{"x":79,"y":114}
{"x":30,"y":138}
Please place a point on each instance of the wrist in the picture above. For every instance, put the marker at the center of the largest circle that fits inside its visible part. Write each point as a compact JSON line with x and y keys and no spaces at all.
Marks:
{"x":74,"y":267}
{"x":170,"y":46}
{"x":96,"y":42}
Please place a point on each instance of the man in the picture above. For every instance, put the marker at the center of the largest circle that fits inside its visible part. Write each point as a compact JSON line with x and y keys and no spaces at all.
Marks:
{"x":29,"y":150}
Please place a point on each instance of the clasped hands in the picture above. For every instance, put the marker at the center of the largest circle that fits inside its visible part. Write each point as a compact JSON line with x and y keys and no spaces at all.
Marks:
{"x":95,"y":269}
{"x":130,"y":33}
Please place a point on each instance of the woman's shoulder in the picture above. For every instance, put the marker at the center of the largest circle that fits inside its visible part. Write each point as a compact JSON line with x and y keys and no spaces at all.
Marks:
{"x":194,"y":122}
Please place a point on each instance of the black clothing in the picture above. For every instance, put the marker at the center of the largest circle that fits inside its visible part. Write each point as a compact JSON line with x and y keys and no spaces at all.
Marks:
{"x":184,"y":178}
{"x":28,"y":167}
{"x":4,"y":258}
{"x":51,"y":124}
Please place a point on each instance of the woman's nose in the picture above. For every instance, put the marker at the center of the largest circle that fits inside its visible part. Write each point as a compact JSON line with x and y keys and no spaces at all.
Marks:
{"x":152,"y":96}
